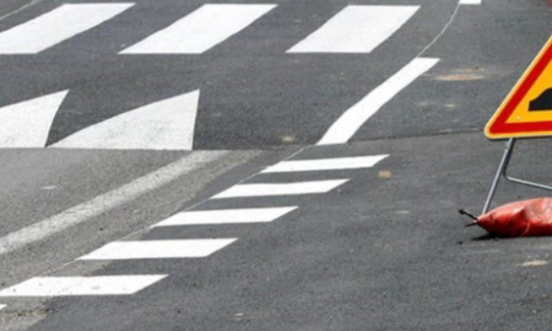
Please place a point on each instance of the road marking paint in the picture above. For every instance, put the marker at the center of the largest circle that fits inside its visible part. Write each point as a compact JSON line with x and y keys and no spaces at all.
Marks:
{"x":2,"y":307}
{"x":200,"y":31}
{"x":326,"y":164}
{"x":347,"y":125}
{"x":259,"y":190}
{"x":57,"y":26}
{"x":356,"y":29}
{"x":226,"y":216}
{"x":470,"y":2}
{"x":106,"y":201}
{"x":27,"y":124}
{"x":164,"y":125}
{"x":73,"y":286}
{"x":158,"y":249}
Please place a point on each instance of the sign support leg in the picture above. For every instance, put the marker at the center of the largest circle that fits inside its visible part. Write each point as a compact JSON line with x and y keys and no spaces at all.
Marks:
{"x":500,"y":172}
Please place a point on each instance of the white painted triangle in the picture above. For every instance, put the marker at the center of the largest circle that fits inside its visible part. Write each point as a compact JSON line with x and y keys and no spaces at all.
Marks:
{"x":164,"y":125}
{"x":27,"y":124}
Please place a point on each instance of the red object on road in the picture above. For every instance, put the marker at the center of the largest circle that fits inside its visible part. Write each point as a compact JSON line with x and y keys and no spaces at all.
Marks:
{"x":519,"y":219}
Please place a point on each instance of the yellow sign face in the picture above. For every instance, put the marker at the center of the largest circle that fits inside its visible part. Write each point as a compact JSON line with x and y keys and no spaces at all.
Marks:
{"x":527,"y":110}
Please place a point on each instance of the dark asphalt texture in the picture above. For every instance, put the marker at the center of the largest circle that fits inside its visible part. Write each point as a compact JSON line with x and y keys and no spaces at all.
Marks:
{"x":253,"y":94}
{"x":380,"y":253}
{"x":386,"y":251}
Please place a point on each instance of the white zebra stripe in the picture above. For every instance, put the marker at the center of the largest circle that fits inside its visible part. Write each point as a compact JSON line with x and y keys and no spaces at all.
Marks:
{"x":201,"y":30}
{"x":158,"y":249}
{"x":356,"y":29}
{"x":75,"y":286}
{"x":56,"y":26}
{"x":344,"y":163}
{"x":226,"y":216}
{"x":260,"y":190}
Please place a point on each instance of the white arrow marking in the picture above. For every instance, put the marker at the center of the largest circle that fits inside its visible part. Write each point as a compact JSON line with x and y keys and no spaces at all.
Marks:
{"x":164,"y":125}
{"x":27,"y":124}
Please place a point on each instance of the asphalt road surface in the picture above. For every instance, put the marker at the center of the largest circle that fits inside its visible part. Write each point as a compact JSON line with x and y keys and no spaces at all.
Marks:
{"x":277,"y":165}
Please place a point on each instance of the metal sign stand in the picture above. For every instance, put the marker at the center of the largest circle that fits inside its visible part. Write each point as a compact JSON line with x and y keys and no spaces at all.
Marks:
{"x":502,"y":172}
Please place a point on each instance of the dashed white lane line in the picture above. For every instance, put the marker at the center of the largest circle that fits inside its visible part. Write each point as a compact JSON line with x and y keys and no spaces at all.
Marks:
{"x":56,"y":26}
{"x":107,"y":201}
{"x":27,"y":124}
{"x":356,"y":29}
{"x":356,"y":162}
{"x":76,"y":286}
{"x":226,"y":216}
{"x":200,"y":31}
{"x":348,"y":124}
{"x":470,"y":2}
{"x":260,"y":190}
{"x":158,"y":249}
{"x":164,"y":125}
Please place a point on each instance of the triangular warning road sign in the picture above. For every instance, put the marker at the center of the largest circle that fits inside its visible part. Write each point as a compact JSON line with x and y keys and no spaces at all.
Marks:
{"x":527,"y":110}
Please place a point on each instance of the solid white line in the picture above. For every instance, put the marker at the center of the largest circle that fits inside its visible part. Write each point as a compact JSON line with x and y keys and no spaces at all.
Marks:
{"x":72,"y":286}
{"x":164,"y":125}
{"x":198,"y":32}
{"x":158,"y":249}
{"x":355,"y":162}
{"x":470,"y":2}
{"x":27,"y":124}
{"x":107,"y":201}
{"x":226,"y":216}
{"x":356,"y":29}
{"x":56,"y":26}
{"x":347,"y":125}
{"x":259,"y":190}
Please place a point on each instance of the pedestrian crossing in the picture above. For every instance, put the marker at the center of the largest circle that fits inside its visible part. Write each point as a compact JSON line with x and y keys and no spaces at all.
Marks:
{"x":170,"y":124}
{"x":110,"y":285}
{"x":355,"y":29}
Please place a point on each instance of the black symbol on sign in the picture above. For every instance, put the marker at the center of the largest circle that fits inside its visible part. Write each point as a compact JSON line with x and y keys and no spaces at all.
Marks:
{"x":543,"y":102}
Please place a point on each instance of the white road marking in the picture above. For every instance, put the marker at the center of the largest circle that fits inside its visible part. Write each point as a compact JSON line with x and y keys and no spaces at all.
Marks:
{"x":2,"y":307}
{"x":470,"y":2}
{"x":73,"y":286}
{"x":348,"y":124}
{"x":355,"y":162}
{"x":200,"y":31}
{"x":165,"y":125}
{"x":158,"y":249}
{"x":27,"y":124}
{"x":56,"y":26}
{"x":226,"y":216}
{"x":259,"y":190}
{"x":356,"y":29}
{"x":107,"y":201}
